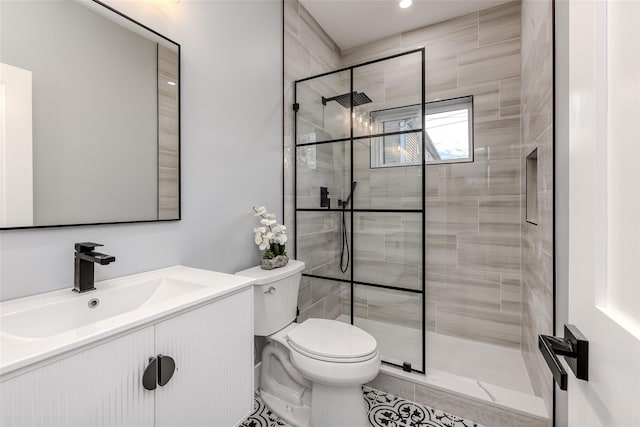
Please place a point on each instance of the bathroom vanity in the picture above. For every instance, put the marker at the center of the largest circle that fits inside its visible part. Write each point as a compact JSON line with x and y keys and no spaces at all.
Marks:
{"x":79,"y":360}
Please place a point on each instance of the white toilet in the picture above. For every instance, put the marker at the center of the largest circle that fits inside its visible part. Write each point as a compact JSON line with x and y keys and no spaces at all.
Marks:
{"x":312,"y":372}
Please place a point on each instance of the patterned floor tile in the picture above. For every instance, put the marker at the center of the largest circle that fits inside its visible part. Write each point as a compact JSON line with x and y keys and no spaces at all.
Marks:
{"x":385,"y":410}
{"x":262,"y":416}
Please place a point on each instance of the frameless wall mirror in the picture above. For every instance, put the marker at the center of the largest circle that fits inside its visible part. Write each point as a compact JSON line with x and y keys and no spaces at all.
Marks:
{"x":89,"y":117}
{"x":448,"y":130}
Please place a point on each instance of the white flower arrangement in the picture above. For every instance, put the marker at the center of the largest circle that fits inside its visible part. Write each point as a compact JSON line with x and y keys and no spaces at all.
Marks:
{"x":270,"y":236}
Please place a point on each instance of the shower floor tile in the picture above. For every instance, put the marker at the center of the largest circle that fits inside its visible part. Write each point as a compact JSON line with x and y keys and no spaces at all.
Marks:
{"x":385,"y":410}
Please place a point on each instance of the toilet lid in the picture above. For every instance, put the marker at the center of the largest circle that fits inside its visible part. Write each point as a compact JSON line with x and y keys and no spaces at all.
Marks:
{"x":330,"y":339}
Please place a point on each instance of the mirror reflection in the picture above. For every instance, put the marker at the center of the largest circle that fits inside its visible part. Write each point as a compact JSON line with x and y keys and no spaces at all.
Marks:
{"x":89,"y":111}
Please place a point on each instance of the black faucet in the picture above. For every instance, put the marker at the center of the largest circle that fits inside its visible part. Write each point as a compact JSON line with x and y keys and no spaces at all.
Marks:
{"x":85,"y":258}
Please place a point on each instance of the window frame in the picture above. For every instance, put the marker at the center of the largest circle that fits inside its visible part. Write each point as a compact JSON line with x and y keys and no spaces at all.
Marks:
{"x":400,"y":113}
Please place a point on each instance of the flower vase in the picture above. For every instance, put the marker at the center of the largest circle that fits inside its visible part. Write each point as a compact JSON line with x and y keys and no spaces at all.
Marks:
{"x":275,"y":262}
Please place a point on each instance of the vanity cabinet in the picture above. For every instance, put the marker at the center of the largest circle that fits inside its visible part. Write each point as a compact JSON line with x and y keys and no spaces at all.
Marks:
{"x":213,"y":350}
{"x":212,"y":385}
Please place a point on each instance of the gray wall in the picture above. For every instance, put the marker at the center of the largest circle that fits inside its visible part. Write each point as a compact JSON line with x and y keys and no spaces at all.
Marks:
{"x":537,"y":239}
{"x":231,"y":53}
{"x":94,"y":111}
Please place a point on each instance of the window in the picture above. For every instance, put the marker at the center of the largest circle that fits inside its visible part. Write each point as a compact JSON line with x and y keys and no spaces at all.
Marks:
{"x":449,"y":134}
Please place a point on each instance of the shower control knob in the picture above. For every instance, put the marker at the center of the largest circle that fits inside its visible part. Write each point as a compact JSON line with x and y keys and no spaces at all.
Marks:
{"x":271,"y":290}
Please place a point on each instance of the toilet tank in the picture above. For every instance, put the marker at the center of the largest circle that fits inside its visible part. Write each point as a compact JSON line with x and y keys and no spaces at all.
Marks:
{"x":275,"y":296}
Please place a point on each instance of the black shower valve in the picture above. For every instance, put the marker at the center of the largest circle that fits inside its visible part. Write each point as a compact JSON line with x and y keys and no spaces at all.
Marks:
{"x":325,"y":201}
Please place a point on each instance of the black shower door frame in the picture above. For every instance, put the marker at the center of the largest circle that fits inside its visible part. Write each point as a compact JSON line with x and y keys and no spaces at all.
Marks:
{"x":351,"y":209}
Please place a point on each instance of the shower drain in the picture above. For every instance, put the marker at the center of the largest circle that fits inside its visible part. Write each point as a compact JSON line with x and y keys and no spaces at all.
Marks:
{"x":93,"y":302}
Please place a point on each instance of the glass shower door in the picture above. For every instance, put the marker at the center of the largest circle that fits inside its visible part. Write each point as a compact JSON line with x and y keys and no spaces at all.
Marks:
{"x":360,"y":201}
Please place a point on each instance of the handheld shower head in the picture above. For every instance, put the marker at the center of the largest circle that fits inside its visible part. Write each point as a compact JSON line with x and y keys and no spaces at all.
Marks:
{"x":344,"y":203}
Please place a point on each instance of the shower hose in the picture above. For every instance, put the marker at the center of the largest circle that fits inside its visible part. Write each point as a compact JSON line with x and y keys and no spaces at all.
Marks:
{"x":344,"y":255}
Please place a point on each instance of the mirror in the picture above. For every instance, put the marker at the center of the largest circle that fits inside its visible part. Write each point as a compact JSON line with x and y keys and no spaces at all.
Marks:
{"x":89,"y":117}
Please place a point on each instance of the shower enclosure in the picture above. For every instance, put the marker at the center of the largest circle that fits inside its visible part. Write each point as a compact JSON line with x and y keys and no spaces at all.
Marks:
{"x":360,"y":200}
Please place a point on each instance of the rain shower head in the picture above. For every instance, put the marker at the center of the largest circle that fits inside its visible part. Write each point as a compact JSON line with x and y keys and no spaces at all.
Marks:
{"x":359,"y":98}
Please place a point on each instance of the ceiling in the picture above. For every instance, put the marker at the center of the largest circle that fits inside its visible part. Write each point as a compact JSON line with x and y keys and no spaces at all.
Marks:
{"x":355,"y":22}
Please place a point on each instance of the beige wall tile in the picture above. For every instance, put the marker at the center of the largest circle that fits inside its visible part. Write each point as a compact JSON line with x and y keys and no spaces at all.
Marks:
{"x":441,"y":250}
{"x":291,"y":16}
{"x":396,"y":307}
{"x":499,"y":214}
{"x":448,"y":215}
{"x":478,"y":324}
{"x":467,"y":288}
{"x":497,"y":139}
{"x":510,"y":98}
{"x":489,"y":63}
{"x":510,"y":294}
{"x":499,"y":23}
{"x":374,"y":50}
{"x":489,"y":252}
{"x":455,"y":35}
{"x":439,"y":75}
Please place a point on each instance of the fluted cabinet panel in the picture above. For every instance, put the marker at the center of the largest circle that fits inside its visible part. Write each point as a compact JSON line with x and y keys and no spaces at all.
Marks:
{"x":98,"y":387}
{"x":213,"y":351}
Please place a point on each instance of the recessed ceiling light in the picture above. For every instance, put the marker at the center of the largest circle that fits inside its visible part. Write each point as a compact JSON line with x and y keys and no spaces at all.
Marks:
{"x":405,"y":3}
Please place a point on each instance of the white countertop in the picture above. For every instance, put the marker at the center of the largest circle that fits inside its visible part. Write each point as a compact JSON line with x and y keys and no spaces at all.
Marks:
{"x":19,"y":350}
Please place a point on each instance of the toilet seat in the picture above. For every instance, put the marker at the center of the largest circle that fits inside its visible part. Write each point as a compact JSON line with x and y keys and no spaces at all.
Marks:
{"x":332,"y":341}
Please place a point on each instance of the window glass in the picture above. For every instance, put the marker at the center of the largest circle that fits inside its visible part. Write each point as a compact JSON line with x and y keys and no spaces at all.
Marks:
{"x":449,"y":134}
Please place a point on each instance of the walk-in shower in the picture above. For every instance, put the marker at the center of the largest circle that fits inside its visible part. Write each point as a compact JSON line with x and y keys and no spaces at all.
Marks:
{"x":406,"y":232}
{"x":444,"y":269}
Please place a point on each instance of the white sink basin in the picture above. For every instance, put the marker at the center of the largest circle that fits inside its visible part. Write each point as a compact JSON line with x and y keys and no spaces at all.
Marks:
{"x":40,"y":326}
{"x":76,"y":311}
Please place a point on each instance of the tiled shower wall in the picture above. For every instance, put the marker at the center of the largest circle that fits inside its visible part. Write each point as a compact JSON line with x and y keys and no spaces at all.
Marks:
{"x":473,"y":209}
{"x":537,"y":240}
{"x":308,"y":51}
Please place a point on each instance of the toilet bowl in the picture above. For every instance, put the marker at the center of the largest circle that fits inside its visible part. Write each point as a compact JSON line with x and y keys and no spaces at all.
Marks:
{"x":312,"y":372}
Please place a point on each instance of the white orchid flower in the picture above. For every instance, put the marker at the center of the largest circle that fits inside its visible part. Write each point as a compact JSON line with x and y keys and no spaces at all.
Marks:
{"x":282,"y":239}
{"x":260,"y":230}
{"x":269,"y":235}
{"x":258,"y":238}
{"x":259,"y":211}
{"x":264,"y":244}
{"x":268,"y":221}
{"x":277,"y":229}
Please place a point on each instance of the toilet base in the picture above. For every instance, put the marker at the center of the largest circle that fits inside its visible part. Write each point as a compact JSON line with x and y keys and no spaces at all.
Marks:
{"x":297,"y":416}
{"x":337,"y":407}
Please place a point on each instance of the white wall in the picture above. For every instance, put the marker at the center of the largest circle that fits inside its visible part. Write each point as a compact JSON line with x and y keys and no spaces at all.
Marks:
{"x":231,"y":153}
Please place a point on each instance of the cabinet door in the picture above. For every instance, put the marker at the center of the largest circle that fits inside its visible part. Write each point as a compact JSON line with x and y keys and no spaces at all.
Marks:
{"x":101,"y":386}
{"x":213,"y":351}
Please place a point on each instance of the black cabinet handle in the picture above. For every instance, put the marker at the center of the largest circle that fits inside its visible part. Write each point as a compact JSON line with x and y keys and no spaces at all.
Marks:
{"x":575,"y":349}
{"x":150,"y":375}
{"x":166,"y":368}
